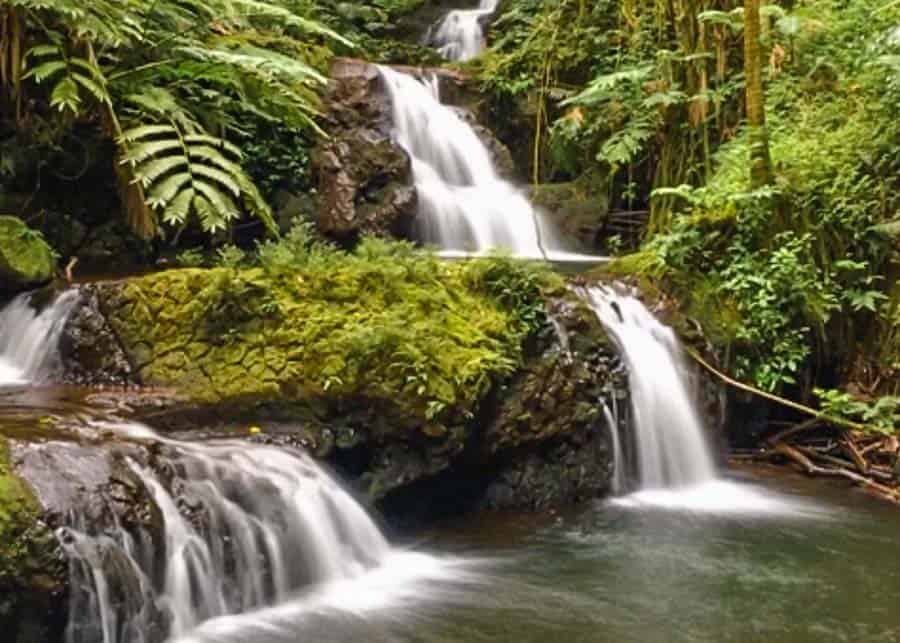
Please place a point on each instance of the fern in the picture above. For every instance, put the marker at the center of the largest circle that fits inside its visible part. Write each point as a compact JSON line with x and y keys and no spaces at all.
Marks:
{"x":71,"y":77}
{"x":184,"y":171}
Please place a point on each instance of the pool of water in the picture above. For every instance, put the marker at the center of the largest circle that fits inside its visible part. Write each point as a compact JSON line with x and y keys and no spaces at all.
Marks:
{"x":802,"y":561}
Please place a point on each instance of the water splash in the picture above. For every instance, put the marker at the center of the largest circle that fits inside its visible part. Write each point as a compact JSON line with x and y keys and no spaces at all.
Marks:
{"x":465,"y":208}
{"x":29,"y":338}
{"x":671,"y":446}
{"x":460,"y":34}
{"x":240,"y":527}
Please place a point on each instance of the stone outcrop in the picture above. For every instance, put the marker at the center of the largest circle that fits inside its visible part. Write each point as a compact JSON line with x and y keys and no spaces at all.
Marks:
{"x":537,"y":438}
{"x":32,"y":570}
{"x":25,"y":258}
{"x":364,"y":178}
{"x":580,"y":209}
{"x":365,"y":182}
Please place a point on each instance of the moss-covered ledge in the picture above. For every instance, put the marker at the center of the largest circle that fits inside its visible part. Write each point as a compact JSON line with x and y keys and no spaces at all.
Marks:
{"x":31,"y":568}
{"x":417,"y":334}
{"x":388,"y":362}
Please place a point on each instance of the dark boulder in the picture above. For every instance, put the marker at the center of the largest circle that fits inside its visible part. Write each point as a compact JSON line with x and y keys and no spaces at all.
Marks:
{"x":364,"y":177}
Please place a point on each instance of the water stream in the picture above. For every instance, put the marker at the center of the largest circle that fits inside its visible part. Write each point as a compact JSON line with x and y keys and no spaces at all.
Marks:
{"x":234,"y":541}
{"x":29,"y":337}
{"x":460,"y":36}
{"x":240,"y":527}
{"x":672,"y":448}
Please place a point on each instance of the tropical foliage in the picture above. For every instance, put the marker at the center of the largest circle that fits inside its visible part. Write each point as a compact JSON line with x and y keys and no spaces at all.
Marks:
{"x":170,"y":85}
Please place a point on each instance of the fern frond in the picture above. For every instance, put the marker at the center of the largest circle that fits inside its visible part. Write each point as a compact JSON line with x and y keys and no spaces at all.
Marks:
{"x":191,"y":173}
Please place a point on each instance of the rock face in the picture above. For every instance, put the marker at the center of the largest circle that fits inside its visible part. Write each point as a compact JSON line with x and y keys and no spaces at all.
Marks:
{"x":364,"y":178}
{"x":536,"y":439}
{"x":25,"y":258}
{"x":550,"y":432}
{"x":580,"y":209}
{"x":365,"y":182}
{"x":31,"y":569}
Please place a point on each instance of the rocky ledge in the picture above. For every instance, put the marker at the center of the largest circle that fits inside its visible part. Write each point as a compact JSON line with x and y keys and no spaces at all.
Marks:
{"x":516,"y":426}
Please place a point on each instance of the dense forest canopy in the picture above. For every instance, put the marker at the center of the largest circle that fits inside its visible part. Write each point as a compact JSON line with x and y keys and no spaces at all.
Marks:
{"x":757,"y":143}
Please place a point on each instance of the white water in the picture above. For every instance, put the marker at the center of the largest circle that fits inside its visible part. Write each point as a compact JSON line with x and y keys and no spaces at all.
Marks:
{"x":619,"y":479}
{"x":28,"y":338}
{"x":243,"y":527}
{"x":460,"y":34}
{"x":465,"y":208}
{"x":676,"y":468}
{"x":672,"y":450}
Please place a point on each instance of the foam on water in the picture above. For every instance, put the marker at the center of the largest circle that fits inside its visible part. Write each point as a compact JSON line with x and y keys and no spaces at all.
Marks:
{"x":720,"y":497}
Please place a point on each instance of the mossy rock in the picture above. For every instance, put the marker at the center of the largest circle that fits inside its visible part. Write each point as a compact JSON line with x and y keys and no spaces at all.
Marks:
{"x":31,"y":571}
{"x":25,"y":258}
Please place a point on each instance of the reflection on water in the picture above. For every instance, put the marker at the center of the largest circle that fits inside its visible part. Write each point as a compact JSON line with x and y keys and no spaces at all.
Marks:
{"x":621,"y":572}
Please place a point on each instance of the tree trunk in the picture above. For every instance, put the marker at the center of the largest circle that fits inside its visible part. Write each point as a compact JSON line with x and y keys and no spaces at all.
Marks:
{"x":760,"y":162}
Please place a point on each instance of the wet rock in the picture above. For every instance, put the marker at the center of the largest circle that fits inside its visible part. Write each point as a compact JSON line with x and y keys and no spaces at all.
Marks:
{"x":550,"y":439}
{"x":25,"y":258}
{"x":364,"y":178}
{"x":580,"y":209}
{"x":32,"y":572}
{"x":89,"y":348}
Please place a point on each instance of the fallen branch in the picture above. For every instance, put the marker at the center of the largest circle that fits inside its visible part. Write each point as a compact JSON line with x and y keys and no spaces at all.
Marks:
{"x":811,"y":468}
{"x":840,"y":462}
{"x":860,"y":462}
{"x":819,"y":415}
{"x":793,"y":430}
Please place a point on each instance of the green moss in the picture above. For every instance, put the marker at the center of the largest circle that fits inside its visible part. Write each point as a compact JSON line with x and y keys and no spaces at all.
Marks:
{"x":25,"y":258}
{"x":27,"y":548}
{"x":386,"y":325}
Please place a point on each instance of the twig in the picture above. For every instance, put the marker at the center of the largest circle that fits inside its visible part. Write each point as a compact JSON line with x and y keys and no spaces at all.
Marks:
{"x":813,"y":469}
{"x":858,"y":460}
{"x":70,"y":267}
{"x":811,"y":423}
{"x":775,"y":398}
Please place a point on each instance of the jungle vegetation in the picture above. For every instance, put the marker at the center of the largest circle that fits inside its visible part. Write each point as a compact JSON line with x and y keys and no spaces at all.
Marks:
{"x":759,"y":142}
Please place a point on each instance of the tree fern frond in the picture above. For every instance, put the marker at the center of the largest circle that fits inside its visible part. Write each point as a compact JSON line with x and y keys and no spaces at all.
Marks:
{"x":162,"y":193}
{"x":65,"y":95}
{"x":144,"y":151}
{"x":210,"y":219}
{"x":214,"y":142}
{"x":45,"y":70}
{"x":224,"y":179}
{"x":145,"y":131}
{"x":221,"y":201}
{"x":179,"y":208}
{"x":153,"y":170}
{"x":191,"y":173}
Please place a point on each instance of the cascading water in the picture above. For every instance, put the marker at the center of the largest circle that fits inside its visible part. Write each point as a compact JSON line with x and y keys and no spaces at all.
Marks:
{"x":28,"y":338}
{"x":672,"y":450}
{"x":238,"y":527}
{"x":464,"y":206}
{"x":460,"y":34}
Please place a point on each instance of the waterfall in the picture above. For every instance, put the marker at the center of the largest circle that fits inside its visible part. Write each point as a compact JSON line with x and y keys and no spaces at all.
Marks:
{"x":238,"y":526}
{"x":29,"y":338}
{"x":619,"y":479}
{"x":460,"y":34}
{"x":464,"y":206}
{"x":669,"y":439}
